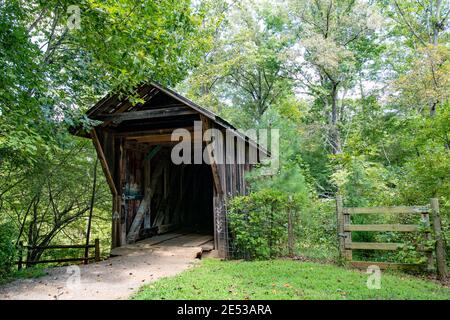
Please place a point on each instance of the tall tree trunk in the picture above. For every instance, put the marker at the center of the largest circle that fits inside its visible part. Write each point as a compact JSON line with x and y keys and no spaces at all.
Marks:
{"x":436,"y":28}
{"x":334,"y":134}
{"x":91,"y":210}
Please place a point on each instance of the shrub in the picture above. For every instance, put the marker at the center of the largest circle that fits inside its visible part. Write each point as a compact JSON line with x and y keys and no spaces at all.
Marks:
{"x":8,"y":251}
{"x":259,"y":223}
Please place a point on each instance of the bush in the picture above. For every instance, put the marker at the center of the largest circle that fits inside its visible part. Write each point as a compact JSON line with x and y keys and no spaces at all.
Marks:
{"x":8,"y":251}
{"x":259,"y":223}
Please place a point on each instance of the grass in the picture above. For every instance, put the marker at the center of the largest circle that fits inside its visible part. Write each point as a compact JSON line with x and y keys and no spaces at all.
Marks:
{"x":25,"y":273}
{"x":285,"y":279}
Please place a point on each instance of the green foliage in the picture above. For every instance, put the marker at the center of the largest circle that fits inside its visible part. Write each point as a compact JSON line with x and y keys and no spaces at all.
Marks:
{"x":241,"y":77}
{"x":24,"y":273}
{"x":316,"y":231}
{"x":369,"y":77}
{"x":258,"y":224}
{"x":8,"y":250}
{"x":50,"y":74}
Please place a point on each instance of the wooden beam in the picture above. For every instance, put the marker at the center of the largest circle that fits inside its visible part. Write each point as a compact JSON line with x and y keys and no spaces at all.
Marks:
{"x":151,"y":113}
{"x":157,"y":138}
{"x":143,"y":92}
{"x":149,"y":156}
{"x":218,"y":186}
{"x":382,"y":227}
{"x":136,"y":225}
{"x":142,"y":133}
{"x":373,"y":246}
{"x":103,"y":162}
{"x":378,"y":210}
{"x":137,"y":222}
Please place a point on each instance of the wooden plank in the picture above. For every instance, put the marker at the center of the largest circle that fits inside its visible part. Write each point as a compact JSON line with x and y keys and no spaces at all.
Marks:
{"x":152,"y":153}
{"x":198,"y":241}
{"x":149,"y":132}
{"x":123,"y":204}
{"x":114,"y":101}
{"x":382,"y":227}
{"x":137,"y":221}
{"x":62,"y":246}
{"x":377,"y":210}
{"x":144,"y":206}
{"x":157,"y":239}
{"x":373,"y":246}
{"x":103,"y":162}
{"x":218,"y":186}
{"x":151,"y":113}
{"x":385,"y":265}
{"x":59,"y":260}
{"x":158,"y":138}
{"x":147,"y":175}
{"x":168,"y":228}
{"x":187,"y":240}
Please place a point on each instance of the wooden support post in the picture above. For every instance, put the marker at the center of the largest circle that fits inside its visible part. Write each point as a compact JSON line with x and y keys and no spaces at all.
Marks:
{"x":147,"y":172}
{"x":103,"y":162}
{"x":429,"y":254}
{"x":216,"y":177}
{"x":440,"y":243}
{"x":97,"y":250}
{"x":115,"y":226}
{"x":340,"y":226}
{"x":20,"y":255}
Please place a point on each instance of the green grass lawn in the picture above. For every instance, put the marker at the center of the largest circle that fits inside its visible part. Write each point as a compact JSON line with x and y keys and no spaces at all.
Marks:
{"x":285,"y":279}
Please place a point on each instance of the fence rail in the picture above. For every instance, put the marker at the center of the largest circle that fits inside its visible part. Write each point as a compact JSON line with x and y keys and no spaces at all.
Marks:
{"x":386,"y":210}
{"x":346,"y":245}
{"x":95,"y":246}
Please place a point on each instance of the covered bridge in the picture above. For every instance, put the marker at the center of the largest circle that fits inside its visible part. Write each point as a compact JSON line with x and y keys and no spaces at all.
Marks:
{"x":152,"y":194}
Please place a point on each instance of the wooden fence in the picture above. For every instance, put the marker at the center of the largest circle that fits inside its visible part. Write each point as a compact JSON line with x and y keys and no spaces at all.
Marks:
{"x":85,"y":259}
{"x":346,"y":245}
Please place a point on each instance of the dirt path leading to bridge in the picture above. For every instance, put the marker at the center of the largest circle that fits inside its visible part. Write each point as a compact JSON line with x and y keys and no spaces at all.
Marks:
{"x":115,"y":278}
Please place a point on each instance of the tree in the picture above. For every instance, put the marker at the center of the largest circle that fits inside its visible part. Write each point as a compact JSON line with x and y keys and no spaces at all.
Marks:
{"x":51,"y":70}
{"x":54,"y":66}
{"x":335,"y":40}
{"x":242,"y":75}
{"x":422,"y":26}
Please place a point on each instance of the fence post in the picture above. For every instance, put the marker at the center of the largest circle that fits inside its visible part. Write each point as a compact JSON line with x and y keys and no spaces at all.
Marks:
{"x":340,"y":226}
{"x":20,"y":255}
{"x":440,"y":245}
{"x":97,"y":250}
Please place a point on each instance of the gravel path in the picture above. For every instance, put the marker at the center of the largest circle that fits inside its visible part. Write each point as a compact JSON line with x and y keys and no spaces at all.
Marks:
{"x":115,"y":278}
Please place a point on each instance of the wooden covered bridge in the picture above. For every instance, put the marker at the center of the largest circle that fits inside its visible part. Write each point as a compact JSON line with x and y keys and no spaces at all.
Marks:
{"x":153,"y":195}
